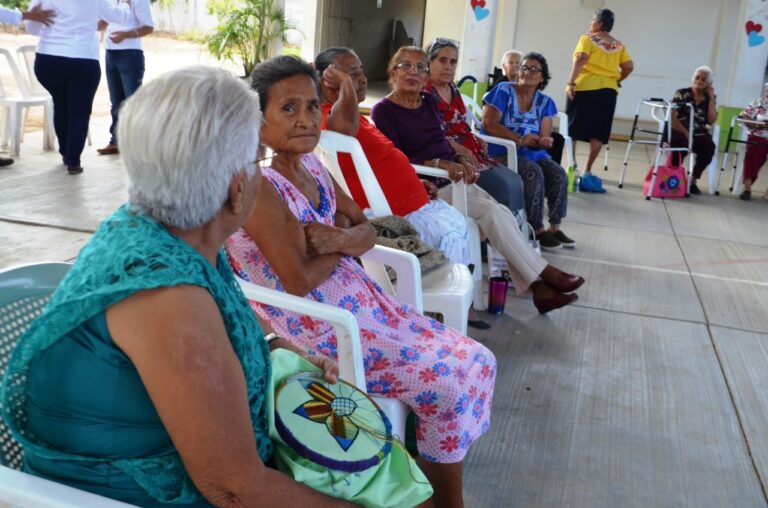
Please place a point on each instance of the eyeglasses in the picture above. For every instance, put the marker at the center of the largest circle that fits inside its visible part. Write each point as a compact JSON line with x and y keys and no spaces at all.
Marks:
{"x":532,"y":70}
{"x":408,"y":67}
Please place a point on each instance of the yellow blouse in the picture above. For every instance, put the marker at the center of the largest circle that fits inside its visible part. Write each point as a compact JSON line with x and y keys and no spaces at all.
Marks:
{"x":602,"y":68}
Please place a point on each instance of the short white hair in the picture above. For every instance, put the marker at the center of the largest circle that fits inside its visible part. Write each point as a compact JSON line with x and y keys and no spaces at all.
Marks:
{"x":183,"y":137}
{"x":510,"y":52}
{"x":708,"y":70}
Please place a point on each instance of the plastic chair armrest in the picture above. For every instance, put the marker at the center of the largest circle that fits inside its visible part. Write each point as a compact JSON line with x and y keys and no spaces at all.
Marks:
{"x":408,"y":271}
{"x":350,"y":356}
{"x":459,"y":189}
{"x":22,"y":489}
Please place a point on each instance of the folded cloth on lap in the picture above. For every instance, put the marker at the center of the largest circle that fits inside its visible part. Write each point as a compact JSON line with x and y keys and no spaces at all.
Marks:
{"x":396,"y":232}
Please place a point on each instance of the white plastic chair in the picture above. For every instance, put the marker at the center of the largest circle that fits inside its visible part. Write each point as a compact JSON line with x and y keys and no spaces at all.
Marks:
{"x":447,"y":289}
{"x":350,"y":358}
{"x":19,"y":105}
{"x":475,"y":120}
{"x":24,"y":292}
{"x":739,"y":145}
{"x":562,"y":128}
{"x":19,"y":489}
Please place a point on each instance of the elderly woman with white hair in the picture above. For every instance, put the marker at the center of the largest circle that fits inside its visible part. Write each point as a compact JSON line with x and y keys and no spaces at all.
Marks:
{"x":702,"y":95}
{"x":145,"y":378}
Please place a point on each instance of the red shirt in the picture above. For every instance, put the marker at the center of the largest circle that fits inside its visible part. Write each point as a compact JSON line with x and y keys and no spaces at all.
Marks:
{"x":401,"y":185}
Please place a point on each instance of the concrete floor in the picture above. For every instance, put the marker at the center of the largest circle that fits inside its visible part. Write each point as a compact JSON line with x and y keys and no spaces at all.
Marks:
{"x":652,"y":390}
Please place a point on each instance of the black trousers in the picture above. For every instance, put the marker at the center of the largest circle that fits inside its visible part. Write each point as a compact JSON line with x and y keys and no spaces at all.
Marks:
{"x":72,"y":82}
{"x":703,"y":147}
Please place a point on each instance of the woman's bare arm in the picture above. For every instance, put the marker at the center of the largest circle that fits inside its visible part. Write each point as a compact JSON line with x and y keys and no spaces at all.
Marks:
{"x":626,"y":69}
{"x":344,"y":116}
{"x":176,"y":338}
{"x":354,"y":240}
{"x":281,"y":238}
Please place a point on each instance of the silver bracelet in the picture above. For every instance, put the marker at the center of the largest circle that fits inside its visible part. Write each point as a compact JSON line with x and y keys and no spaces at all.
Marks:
{"x":271,"y":337}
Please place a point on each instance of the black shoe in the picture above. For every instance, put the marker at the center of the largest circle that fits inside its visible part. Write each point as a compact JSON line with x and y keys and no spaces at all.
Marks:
{"x":745,"y":195}
{"x":478,"y":323}
{"x":74,"y":170}
{"x":5,"y":161}
{"x":548,"y":241}
{"x":695,"y":189}
{"x":567,"y":243}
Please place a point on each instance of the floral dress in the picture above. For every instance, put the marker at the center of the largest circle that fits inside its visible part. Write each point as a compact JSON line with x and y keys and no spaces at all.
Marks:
{"x":444,"y":377}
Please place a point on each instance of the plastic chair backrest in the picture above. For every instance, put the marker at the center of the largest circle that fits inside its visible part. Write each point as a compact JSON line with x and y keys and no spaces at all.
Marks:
{"x":474,"y":113}
{"x":24,"y":293}
{"x":21,"y":80}
{"x":27,"y":57}
{"x":334,"y":143}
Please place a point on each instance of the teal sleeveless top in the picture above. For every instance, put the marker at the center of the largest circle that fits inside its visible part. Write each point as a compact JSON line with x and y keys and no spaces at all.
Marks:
{"x":75,"y":401}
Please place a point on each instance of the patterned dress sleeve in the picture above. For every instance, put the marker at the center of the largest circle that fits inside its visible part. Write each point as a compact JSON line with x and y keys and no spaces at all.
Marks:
{"x":548,"y":107}
{"x":499,"y":97}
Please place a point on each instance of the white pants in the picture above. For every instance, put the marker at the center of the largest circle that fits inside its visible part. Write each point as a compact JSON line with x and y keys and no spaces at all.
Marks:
{"x":500,"y":226}
{"x":442,"y":227}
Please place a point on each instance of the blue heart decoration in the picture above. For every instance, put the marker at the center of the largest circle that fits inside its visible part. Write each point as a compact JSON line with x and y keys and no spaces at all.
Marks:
{"x":481,"y":14}
{"x":753,"y":40}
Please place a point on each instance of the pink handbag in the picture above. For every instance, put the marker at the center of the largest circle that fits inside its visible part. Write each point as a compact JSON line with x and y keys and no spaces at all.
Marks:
{"x":670,"y":182}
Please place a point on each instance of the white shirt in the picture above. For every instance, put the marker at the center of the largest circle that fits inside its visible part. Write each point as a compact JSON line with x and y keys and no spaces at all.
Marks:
{"x":73,"y":33}
{"x":141,"y":15}
{"x":10,"y":16}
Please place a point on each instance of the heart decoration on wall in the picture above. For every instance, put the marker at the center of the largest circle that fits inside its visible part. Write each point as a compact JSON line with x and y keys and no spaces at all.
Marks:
{"x":753,"y":33}
{"x":478,"y":6}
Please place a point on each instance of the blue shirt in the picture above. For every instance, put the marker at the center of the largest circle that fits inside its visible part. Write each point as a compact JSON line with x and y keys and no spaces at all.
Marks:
{"x":503,"y":98}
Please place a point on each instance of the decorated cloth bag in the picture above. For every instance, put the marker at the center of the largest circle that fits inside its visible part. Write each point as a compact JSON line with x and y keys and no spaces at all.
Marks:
{"x":670,"y":182}
{"x":335,"y":439}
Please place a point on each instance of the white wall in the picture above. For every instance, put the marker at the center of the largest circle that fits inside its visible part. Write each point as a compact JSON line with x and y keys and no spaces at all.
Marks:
{"x":666,"y":39}
{"x":746,"y":80}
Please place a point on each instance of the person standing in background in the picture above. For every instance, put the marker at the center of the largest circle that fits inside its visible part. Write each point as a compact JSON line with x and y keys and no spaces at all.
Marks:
{"x":67,"y":65}
{"x":124,"y":62}
{"x":600,"y":64}
{"x":15,"y":17}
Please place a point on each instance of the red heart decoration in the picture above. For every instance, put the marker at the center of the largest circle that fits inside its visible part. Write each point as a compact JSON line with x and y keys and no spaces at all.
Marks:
{"x":477,"y":3}
{"x":750,"y":26}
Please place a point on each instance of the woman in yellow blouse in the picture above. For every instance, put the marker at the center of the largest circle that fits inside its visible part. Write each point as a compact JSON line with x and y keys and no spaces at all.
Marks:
{"x":600,"y":64}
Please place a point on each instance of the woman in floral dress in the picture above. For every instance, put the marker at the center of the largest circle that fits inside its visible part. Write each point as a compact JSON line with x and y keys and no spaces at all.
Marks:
{"x":301,"y":238}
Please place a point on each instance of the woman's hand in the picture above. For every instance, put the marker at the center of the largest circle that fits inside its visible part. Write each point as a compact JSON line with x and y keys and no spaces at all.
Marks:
{"x":431,"y":189}
{"x":118,"y":37}
{"x":530,"y":141}
{"x":323,"y":239}
{"x":329,"y":367}
{"x":333,"y":78}
{"x":464,"y":152}
{"x":570,"y":91}
{"x":471,"y":172}
{"x":340,"y":220}
{"x":37,"y":13}
{"x":546,"y":141}
{"x":458,"y":171}
{"x":710,"y":91}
